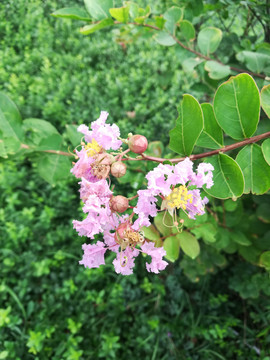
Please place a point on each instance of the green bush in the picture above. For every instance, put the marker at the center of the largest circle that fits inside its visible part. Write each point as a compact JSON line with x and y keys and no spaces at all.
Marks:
{"x":52,"y":308}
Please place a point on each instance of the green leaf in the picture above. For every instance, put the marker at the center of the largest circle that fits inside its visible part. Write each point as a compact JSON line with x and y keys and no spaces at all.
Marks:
{"x":216,"y":70}
{"x":89,"y":29}
{"x":10,"y":119}
{"x":255,"y":169}
{"x":3,"y":152}
{"x":237,"y":106}
{"x":265,"y":99}
{"x":263,"y":213}
{"x":163,"y":223}
{"x":205,"y":231}
{"x":189,"y":125}
{"x":190,"y":63}
{"x":212,"y":135}
{"x":133,"y":9}
{"x":209,"y":39}
{"x":36,"y":130}
{"x":240,"y":238}
{"x":172,"y":17}
{"x":53,"y":167}
{"x":189,"y":244}
{"x":163,"y":38}
{"x":187,"y":30}
{"x":120,"y":14}
{"x":72,"y":13}
{"x":151,"y":233}
{"x":171,"y":245}
{"x":255,"y":61}
{"x":160,"y":21}
{"x":73,"y":135}
{"x":266,"y":150}
{"x":227,"y":176}
{"x":98,"y":9}
{"x":143,"y":15}
{"x":265,"y":260}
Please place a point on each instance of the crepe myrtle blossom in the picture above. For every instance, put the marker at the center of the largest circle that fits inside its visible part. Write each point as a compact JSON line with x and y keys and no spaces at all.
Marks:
{"x":127,"y":244}
{"x":93,"y":161}
{"x":178,"y":186}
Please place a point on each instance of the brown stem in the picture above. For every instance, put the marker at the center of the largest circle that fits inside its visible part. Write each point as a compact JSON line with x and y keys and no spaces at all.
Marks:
{"x":213,"y":152}
{"x":58,"y":152}
{"x":193,"y":51}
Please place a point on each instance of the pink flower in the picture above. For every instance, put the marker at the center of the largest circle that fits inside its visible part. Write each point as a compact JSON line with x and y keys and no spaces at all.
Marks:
{"x":124,"y":261}
{"x":93,"y":255}
{"x":106,"y":135}
{"x":172,"y":184}
{"x":146,"y":206}
{"x":100,"y":188}
{"x":157,"y":264}
{"x":82,"y":168}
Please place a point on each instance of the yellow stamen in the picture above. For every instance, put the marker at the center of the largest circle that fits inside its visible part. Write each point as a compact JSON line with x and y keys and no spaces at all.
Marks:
{"x":179,"y":198}
{"x":93,"y":148}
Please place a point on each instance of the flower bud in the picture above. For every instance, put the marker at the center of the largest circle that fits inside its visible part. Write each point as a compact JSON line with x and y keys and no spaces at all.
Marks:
{"x":118,"y":169}
{"x":138,"y":144}
{"x":119,"y":203}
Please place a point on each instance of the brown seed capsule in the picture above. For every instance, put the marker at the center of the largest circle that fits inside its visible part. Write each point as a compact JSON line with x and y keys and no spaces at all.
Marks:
{"x":119,"y":203}
{"x":138,"y":144}
{"x":101,"y":166}
{"x":118,"y":169}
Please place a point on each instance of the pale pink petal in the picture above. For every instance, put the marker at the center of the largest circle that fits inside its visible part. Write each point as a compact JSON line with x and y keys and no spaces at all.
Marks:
{"x":93,"y":255}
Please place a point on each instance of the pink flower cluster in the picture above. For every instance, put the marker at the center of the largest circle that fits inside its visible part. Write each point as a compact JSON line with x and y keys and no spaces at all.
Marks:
{"x":164,"y":182}
{"x":119,"y":235}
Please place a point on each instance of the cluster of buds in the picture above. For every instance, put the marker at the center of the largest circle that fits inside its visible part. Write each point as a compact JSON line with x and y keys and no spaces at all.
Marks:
{"x":101,"y":156}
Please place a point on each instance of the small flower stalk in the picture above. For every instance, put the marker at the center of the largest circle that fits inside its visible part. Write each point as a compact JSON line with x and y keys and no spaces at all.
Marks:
{"x":110,"y":217}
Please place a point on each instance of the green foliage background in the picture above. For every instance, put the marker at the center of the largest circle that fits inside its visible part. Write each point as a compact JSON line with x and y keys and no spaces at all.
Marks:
{"x":52,"y":308}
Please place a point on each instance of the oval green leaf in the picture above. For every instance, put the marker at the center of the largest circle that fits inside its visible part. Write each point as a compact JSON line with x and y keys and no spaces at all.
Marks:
{"x":266,"y":150}
{"x":237,"y":106}
{"x":240,"y":238}
{"x":163,"y":38}
{"x":189,"y":125}
{"x":212,"y":135}
{"x":36,"y":130}
{"x":98,"y":9}
{"x":265,"y":260}
{"x":10,"y":119}
{"x":120,"y":14}
{"x":216,"y":70}
{"x":255,"y":169}
{"x":72,"y":13}
{"x":171,"y":245}
{"x":189,"y":244}
{"x":227,"y":176}
{"x":255,"y":61}
{"x":172,"y":17}
{"x":151,"y":233}
{"x":265,"y":99}
{"x":53,"y":167}
{"x":89,"y":29}
{"x":209,"y":39}
{"x":187,"y":30}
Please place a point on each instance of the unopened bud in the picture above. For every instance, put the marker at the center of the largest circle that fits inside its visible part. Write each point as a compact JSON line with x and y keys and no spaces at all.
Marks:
{"x":118,"y":169}
{"x":138,"y":144}
{"x":119,"y":203}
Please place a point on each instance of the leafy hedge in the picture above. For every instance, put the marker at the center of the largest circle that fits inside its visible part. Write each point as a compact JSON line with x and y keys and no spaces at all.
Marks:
{"x":52,"y":308}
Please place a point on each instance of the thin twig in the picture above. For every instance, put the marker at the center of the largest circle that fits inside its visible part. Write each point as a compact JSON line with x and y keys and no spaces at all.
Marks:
{"x":213,"y":152}
{"x":191,"y":50}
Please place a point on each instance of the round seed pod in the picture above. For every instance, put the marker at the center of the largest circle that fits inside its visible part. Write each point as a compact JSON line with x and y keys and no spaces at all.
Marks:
{"x":119,"y":203}
{"x":118,"y":169}
{"x":138,"y":144}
